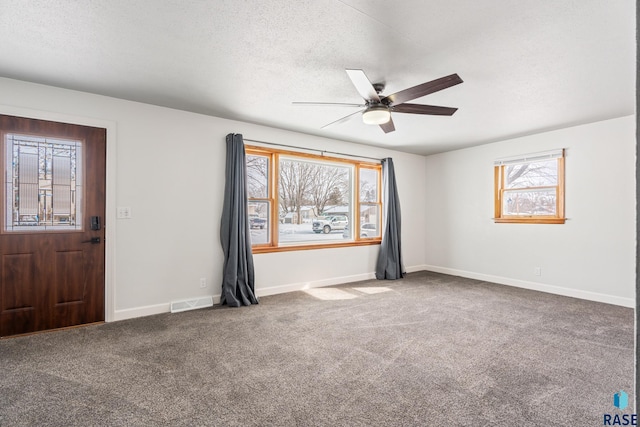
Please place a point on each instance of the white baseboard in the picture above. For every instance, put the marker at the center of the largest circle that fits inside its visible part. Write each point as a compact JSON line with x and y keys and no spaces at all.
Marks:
{"x":415,"y":268}
{"x":557,"y":290}
{"x":149,"y":310}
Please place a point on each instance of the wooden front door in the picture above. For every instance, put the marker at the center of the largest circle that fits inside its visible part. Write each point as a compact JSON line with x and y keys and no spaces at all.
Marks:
{"x":52,"y":229}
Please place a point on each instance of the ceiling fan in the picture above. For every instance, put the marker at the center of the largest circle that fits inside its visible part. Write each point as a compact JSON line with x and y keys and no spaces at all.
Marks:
{"x":377,"y":108}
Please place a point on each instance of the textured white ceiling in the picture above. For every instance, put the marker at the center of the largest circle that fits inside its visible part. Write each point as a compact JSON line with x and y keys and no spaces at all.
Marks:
{"x":527,"y":65}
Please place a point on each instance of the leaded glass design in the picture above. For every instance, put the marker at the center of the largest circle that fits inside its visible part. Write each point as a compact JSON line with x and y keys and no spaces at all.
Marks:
{"x":43,"y":183}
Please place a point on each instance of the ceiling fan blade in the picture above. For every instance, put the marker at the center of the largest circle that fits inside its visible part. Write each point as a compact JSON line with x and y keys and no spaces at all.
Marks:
{"x":424,"y":109}
{"x":342,"y":119}
{"x":422,"y":90}
{"x":332,"y":104}
{"x":388,"y":127}
{"x":363,"y":85}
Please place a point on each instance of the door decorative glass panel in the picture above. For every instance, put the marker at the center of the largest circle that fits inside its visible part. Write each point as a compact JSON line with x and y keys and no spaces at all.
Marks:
{"x":43,"y":184}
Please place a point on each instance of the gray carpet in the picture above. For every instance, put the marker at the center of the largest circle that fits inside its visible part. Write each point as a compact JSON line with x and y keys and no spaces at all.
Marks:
{"x":429,"y":349}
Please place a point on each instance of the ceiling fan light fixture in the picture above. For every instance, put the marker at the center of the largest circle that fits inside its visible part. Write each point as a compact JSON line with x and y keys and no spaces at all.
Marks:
{"x":376,"y":115}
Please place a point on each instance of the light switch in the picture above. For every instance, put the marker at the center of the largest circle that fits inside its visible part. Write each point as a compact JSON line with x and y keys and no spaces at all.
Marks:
{"x":124,"y":212}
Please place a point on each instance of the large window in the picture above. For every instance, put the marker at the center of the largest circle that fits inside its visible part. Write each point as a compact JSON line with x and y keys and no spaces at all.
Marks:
{"x":303,"y":201}
{"x":530,"y":189}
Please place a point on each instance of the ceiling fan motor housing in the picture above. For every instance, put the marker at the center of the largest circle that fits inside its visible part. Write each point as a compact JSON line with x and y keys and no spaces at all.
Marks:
{"x":379,"y":87}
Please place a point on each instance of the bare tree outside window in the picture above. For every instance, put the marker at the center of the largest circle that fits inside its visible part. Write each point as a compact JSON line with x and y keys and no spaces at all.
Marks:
{"x":531,"y":190}
{"x":257,"y":176}
{"x":369,"y":203}
{"x":259,"y":206}
{"x":536,"y":174}
{"x":315,"y":197}
{"x":330,"y":186}
{"x":368,"y":185}
{"x":296,"y":179}
{"x":308,"y":200}
{"x":304,"y":183}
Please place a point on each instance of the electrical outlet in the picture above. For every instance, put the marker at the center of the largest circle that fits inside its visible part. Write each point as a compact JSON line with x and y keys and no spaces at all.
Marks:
{"x":537,"y":271}
{"x":203,"y":282}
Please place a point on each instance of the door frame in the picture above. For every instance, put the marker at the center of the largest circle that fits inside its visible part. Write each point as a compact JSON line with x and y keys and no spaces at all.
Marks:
{"x":110,"y":195}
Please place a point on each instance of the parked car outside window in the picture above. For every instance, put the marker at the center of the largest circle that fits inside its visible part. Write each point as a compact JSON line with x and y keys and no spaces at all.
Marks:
{"x":366,"y":230}
{"x":256,"y":222}
{"x":328,"y":224}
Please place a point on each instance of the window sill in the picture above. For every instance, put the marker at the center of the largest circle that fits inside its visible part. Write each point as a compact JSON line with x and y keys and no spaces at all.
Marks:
{"x":269,"y":249}
{"x":529,"y":220}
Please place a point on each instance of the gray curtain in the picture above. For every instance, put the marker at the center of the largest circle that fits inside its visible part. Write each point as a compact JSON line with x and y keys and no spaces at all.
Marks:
{"x":389,"y":265}
{"x":238,"y":273}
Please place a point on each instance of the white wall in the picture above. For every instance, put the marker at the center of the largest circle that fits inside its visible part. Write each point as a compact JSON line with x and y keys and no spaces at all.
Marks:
{"x":168,"y":166}
{"x":592,"y":256}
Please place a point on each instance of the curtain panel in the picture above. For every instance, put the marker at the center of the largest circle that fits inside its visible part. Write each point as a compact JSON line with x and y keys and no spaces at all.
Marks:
{"x":238,"y":281}
{"x":389,"y":264}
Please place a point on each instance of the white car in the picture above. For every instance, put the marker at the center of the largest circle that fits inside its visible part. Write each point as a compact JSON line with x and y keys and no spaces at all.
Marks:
{"x":367,"y":229}
{"x":330,"y":223}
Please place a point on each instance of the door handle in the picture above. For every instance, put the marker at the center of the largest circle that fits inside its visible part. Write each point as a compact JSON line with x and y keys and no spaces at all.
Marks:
{"x":93,"y":240}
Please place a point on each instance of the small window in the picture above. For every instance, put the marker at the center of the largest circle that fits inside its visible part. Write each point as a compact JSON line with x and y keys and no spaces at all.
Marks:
{"x":304,"y":201}
{"x":530,"y":189}
{"x":43,"y":184}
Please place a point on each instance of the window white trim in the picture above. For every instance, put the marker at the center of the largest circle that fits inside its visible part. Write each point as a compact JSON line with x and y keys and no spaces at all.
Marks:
{"x":533,"y":157}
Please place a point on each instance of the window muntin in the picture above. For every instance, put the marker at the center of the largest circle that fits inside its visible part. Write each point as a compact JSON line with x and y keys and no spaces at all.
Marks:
{"x":43,"y":184}
{"x":311,"y":200}
{"x":530,"y":189}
